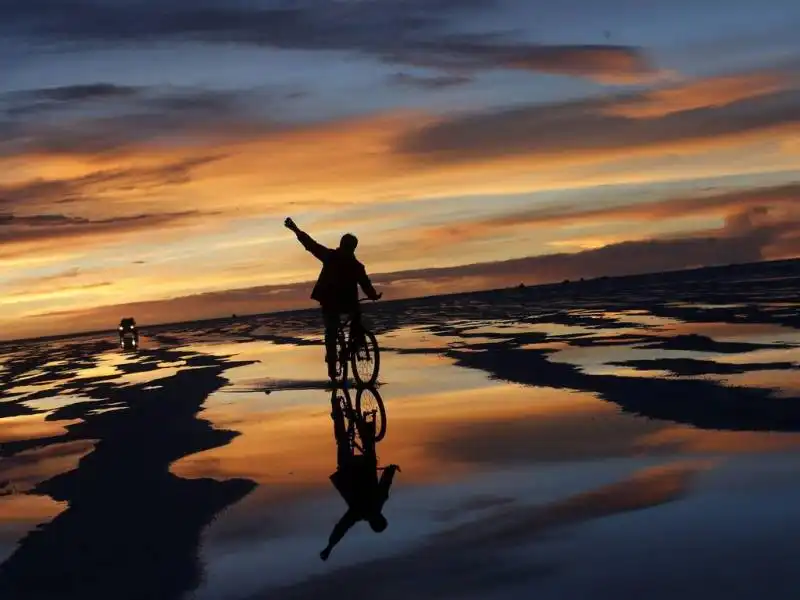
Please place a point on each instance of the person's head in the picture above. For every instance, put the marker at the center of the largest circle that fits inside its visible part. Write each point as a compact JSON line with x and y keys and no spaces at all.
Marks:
{"x":378,"y":523}
{"x":348,"y":243}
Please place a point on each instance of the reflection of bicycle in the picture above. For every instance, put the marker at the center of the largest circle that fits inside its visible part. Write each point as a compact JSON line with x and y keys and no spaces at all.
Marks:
{"x":362,"y":483}
{"x":358,"y":347}
{"x":365,"y":422}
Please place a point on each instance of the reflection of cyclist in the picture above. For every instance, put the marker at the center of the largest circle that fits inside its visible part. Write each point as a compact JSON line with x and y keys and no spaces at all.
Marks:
{"x":356,"y":479}
{"x":337,"y":286}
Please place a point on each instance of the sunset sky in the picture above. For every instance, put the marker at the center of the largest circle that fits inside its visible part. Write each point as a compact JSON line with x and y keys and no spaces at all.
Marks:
{"x":150,"y":150}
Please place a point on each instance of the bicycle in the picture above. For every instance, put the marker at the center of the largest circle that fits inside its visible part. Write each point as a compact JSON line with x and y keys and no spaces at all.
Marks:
{"x":357,"y":346}
{"x":365,"y":423}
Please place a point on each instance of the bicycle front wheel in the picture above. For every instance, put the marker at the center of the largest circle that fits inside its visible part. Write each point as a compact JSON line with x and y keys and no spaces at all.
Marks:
{"x":369,"y":401}
{"x":366,"y":359}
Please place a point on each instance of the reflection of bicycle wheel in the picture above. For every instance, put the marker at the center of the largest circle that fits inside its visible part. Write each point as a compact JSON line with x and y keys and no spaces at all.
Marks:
{"x":366,"y":359}
{"x":369,"y":401}
{"x":345,"y":405}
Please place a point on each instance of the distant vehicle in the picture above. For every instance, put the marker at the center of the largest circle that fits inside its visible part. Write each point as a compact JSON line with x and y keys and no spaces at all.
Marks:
{"x":128,"y":334}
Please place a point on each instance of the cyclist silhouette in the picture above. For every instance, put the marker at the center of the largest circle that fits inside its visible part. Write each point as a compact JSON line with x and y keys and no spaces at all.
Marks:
{"x":356,"y":479}
{"x":337,"y":285}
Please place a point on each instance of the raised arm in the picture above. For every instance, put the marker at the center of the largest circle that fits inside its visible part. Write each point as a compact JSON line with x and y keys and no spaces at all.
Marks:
{"x":340,"y":529}
{"x":309,"y":243}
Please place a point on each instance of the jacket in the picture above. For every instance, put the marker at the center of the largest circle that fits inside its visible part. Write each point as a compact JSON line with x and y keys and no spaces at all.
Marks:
{"x":341,"y":275}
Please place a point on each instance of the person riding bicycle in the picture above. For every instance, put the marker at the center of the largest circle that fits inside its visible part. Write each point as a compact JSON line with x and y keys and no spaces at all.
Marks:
{"x":356,"y":479}
{"x":337,"y":285}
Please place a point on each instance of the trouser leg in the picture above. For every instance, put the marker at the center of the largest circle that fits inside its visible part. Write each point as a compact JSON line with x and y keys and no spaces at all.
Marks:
{"x":339,"y":431}
{"x":331,"y":320}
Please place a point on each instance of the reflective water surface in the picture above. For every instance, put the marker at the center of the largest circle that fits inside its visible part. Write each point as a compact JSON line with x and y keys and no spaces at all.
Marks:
{"x":568,"y":448}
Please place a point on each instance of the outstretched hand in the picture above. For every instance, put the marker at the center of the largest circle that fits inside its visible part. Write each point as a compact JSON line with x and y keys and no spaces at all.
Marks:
{"x":290,"y":224}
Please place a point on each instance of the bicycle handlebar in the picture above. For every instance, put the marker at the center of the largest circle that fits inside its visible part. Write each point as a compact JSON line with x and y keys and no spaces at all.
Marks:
{"x":397,"y":468}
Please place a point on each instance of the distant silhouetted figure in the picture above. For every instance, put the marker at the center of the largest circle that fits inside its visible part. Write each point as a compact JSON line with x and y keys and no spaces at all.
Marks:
{"x":356,"y":479}
{"x":337,"y":286}
{"x":127,"y":325}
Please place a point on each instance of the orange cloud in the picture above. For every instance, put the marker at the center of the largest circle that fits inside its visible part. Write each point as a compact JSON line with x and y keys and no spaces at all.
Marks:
{"x":607,"y":64}
{"x":704,"y":93}
{"x":781,"y":204}
{"x":584,"y":131}
{"x":406,"y":155}
{"x":692,"y":440}
{"x":79,"y":235}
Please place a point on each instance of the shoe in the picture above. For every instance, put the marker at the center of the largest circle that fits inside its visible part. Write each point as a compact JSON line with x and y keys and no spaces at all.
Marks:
{"x":332,"y":371}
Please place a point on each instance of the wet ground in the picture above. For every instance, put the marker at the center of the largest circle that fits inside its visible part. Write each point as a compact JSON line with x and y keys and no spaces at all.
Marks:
{"x":604,"y":440}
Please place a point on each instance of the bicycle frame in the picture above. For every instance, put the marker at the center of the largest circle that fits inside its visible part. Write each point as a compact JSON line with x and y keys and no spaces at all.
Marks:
{"x":356,"y":346}
{"x":347,"y":342}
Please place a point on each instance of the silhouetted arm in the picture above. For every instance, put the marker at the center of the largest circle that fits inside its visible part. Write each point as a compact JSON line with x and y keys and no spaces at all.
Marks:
{"x":366,"y":285}
{"x":386,"y":482}
{"x":309,"y":243}
{"x":339,"y":530}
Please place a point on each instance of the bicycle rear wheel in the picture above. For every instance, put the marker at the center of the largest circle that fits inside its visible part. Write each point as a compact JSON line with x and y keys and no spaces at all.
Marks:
{"x":369,"y":401}
{"x":366,"y":358}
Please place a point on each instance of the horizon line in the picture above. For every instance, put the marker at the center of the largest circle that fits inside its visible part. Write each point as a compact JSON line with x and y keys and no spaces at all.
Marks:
{"x":411,"y":298}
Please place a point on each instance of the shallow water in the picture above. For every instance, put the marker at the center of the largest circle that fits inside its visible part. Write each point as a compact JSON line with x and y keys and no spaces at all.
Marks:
{"x":567,"y":452}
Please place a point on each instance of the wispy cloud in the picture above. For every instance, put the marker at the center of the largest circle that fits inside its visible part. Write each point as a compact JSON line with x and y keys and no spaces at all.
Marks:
{"x":28,"y":103}
{"x":52,"y":233}
{"x":603,"y":125}
{"x":612,"y":63}
{"x":605,"y":63}
{"x":103,"y":117}
{"x":428,"y":82}
{"x":704,"y":93}
{"x":409,"y":32}
{"x":781,"y":200}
